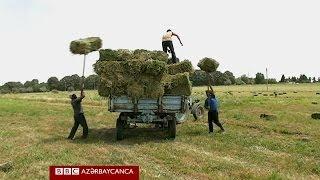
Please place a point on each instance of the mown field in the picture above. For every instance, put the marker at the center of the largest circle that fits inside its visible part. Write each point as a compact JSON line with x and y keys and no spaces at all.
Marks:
{"x":34,"y":128}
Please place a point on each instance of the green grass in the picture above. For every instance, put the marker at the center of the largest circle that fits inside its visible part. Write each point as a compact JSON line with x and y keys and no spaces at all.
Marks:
{"x":34,"y":126}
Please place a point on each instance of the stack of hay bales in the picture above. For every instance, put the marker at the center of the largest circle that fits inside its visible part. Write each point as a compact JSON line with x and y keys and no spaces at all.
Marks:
{"x":141,"y":74}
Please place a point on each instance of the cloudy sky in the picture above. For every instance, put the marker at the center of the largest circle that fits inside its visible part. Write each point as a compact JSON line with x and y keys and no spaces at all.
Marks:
{"x":244,"y":36}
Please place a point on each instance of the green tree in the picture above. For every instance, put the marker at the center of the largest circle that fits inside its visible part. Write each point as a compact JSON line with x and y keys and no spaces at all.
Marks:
{"x":272,"y":81}
{"x":259,"y":79}
{"x":12,"y":86}
{"x":199,"y":78}
{"x":53,"y":83}
{"x":65,"y":83}
{"x":91,"y":82}
{"x":76,"y":81}
{"x":245,"y":79}
{"x":283,"y":79}
{"x":229,"y":75}
{"x":218,"y":78}
{"x":239,"y":81}
{"x":303,"y":79}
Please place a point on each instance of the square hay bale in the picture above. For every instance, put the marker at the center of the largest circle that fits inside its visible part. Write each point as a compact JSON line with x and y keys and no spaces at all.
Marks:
{"x":141,"y":54}
{"x":108,"y":55}
{"x":178,"y":84}
{"x":107,"y":88}
{"x":315,"y":116}
{"x":135,"y":90}
{"x":155,"y":68}
{"x":86,"y":45}
{"x":124,"y":55}
{"x":153,"y":88}
{"x":108,"y":68}
{"x":159,"y":55}
{"x":184,"y":66}
{"x":133,"y":68}
{"x":208,"y":65}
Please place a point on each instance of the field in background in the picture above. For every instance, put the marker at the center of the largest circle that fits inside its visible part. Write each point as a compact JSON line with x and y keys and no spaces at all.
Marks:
{"x":34,"y":127}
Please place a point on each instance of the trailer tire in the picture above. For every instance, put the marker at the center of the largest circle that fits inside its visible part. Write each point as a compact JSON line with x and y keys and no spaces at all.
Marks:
{"x":172,"y":122}
{"x":120,"y":125}
{"x":197,"y":111}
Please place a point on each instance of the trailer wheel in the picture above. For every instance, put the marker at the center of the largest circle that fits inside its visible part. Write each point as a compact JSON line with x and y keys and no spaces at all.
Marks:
{"x":172,"y":127}
{"x":120,"y":125}
{"x":197,"y":111}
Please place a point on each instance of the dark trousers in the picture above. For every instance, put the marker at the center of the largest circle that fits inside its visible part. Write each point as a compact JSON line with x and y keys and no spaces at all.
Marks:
{"x":165,"y":46}
{"x":213,"y":117}
{"x":79,"y":119}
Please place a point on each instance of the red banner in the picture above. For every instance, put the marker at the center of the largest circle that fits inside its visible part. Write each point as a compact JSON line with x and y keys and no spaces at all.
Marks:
{"x":94,"y":172}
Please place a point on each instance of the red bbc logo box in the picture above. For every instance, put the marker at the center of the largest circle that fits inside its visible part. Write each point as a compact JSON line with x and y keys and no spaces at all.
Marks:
{"x":94,"y":172}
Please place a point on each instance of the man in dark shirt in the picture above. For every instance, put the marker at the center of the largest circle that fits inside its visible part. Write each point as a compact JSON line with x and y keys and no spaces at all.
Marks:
{"x":211,"y":104}
{"x":78,"y":116}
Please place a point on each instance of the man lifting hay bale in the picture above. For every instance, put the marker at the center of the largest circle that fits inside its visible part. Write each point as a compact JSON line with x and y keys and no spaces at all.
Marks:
{"x":82,"y":47}
{"x":210,"y":65}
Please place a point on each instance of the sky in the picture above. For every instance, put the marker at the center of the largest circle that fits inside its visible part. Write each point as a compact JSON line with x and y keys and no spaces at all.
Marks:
{"x":244,"y":36}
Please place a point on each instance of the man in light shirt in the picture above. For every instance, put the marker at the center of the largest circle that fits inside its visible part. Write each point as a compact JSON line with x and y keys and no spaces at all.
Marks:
{"x":167,"y":43}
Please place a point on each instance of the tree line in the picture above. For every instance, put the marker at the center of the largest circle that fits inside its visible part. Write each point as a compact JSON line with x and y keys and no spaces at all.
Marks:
{"x":67,"y":83}
{"x":198,"y":78}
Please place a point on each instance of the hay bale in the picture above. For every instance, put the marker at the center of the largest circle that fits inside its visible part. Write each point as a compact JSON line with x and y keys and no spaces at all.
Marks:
{"x":318,"y":93}
{"x":155,"y":68}
{"x":208,"y":65}
{"x":124,"y":55}
{"x":178,"y":84}
{"x":135,"y":90}
{"x":268,"y":116}
{"x":314,"y":102}
{"x":133,"y":68}
{"x":7,"y":166}
{"x":86,"y":45}
{"x":184,"y":66}
{"x":108,"y":55}
{"x":315,"y":116}
{"x":141,"y":54}
{"x":153,"y":88}
{"x":127,"y":55}
{"x":159,"y":55}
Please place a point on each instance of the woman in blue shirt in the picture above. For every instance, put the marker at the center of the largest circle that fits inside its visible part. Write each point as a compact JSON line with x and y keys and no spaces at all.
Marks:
{"x":211,"y":104}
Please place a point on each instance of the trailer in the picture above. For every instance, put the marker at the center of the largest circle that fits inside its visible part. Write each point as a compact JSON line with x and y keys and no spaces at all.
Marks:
{"x":166,"y":111}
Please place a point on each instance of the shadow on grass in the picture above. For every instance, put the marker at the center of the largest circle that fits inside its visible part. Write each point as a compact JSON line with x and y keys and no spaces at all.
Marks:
{"x":132,"y":136}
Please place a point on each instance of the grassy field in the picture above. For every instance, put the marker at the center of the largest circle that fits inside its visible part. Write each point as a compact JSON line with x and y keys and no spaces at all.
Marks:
{"x":34,"y":127}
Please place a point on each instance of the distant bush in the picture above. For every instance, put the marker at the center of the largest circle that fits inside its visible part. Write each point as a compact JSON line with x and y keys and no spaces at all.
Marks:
{"x":54,"y":91}
{"x":239,"y":81}
{"x":71,"y":88}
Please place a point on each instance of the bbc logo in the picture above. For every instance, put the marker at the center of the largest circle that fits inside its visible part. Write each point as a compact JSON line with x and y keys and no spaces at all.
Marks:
{"x":67,"y":171}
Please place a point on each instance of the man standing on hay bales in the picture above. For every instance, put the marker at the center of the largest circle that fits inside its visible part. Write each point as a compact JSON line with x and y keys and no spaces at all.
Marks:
{"x":167,"y":43}
{"x":211,"y":104}
{"x":79,"y":117}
